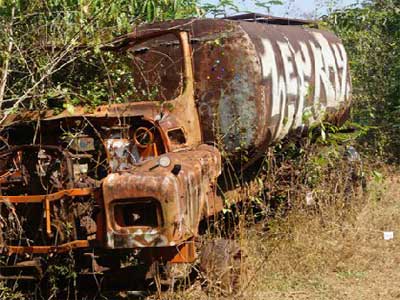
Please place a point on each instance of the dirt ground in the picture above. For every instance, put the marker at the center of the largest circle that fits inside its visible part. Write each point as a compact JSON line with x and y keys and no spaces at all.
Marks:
{"x":338,"y":255}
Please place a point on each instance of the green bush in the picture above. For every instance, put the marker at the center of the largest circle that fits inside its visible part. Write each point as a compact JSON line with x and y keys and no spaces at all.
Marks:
{"x":371,"y":34}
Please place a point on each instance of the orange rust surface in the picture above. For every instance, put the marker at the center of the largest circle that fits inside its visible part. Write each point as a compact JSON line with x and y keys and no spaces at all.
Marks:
{"x":49,"y":197}
{"x":184,"y":197}
{"x":185,"y":254}
{"x":182,"y":253}
{"x":179,"y":112}
{"x":184,"y":193}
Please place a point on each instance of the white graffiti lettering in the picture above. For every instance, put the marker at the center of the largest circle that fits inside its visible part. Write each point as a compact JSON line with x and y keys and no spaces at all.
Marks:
{"x":291,"y":85}
{"x":304,"y":70}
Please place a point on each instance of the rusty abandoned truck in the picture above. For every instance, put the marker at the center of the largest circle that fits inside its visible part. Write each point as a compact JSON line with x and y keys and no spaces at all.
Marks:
{"x":136,"y":178}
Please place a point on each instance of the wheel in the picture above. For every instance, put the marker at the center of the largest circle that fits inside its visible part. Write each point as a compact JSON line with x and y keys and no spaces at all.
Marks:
{"x":220,"y":266}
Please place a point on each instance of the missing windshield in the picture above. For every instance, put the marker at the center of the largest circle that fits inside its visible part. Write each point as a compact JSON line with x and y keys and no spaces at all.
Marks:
{"x":149,"y":71}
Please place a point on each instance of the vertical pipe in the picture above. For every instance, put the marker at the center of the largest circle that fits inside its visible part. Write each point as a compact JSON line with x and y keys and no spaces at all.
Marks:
{"x":48,"y":221}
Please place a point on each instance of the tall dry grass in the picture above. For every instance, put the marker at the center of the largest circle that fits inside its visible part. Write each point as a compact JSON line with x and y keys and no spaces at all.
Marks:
{"x":337,"y":252}
{"x":332,"y":248}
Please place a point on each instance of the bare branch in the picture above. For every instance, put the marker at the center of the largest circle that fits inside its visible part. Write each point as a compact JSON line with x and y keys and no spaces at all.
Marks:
{"x":4,"y":75}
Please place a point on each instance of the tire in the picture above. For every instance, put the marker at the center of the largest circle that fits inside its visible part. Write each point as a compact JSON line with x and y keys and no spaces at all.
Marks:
{"x":220,"y":266}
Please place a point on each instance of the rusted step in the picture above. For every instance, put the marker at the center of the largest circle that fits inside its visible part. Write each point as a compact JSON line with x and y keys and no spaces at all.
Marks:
{"x":30,"y":270}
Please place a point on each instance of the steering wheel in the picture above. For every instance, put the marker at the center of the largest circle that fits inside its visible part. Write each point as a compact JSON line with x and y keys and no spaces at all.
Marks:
{"x":143,"y":137}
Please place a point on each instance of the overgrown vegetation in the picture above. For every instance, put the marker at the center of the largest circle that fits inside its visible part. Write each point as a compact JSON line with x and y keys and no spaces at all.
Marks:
{"x":45,"y":41}
{"x":329,"y":244}
{"x":308,"y":203}
{"x":332,"y":221}
{"x":371,"y":35}
{"x":49,"y":50}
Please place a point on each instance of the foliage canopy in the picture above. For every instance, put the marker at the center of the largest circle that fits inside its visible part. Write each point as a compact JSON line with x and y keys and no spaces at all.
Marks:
{"x":45,"y":44}
{"x":371,"y":35}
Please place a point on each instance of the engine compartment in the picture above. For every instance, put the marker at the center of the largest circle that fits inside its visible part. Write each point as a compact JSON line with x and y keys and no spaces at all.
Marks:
{"x":53,"y":171}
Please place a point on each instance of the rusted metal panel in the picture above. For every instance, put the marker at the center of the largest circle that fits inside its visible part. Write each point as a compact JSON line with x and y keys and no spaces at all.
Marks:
{"x":304,"y":72}
{"x":173,"y":113}
{"x":256,"y":82}
{"x":48,"y":197}
{"x":181,"y":189}
{"x":262,"y":18}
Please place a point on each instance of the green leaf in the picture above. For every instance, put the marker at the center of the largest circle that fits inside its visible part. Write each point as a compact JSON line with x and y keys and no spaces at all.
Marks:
{"x":69,"y":108}
{"x":378,"y":177}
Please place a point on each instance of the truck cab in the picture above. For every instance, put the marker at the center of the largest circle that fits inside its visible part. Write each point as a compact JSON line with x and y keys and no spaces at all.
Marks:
{"x":123,"y":178}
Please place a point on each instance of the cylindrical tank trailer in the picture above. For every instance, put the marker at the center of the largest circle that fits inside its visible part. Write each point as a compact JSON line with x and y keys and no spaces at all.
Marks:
{"x":256,"y":82}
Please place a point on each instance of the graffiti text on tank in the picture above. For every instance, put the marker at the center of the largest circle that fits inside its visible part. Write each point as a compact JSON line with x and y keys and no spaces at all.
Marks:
{"x":291,"y":86}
